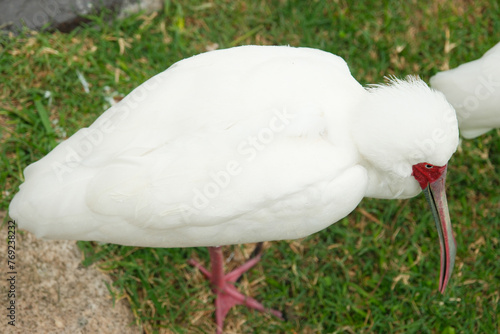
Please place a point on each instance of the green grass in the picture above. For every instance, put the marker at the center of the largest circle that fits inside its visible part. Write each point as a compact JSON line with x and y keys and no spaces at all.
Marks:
{"x":375,"y":271}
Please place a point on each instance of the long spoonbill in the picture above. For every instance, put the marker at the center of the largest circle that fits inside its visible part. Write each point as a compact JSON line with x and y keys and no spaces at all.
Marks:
{"x":243,"y":145}
{"x":473,"y":89}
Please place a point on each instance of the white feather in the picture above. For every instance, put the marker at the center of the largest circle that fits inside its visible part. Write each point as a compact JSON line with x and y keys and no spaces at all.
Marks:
{"x":474,"y":91}
{"x":232,"y":146}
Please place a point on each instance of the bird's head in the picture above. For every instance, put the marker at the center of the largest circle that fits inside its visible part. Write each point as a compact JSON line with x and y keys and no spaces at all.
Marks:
{"x":406,"y":133}
{"x":401,"y":124}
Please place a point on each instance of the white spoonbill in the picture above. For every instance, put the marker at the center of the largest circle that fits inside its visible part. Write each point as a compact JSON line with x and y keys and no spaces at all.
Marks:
{"x":242,"y":145}
{"x":474,"y":91}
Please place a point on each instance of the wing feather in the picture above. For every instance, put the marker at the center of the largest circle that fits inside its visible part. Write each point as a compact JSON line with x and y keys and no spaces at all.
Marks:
{"x":241,"y":145}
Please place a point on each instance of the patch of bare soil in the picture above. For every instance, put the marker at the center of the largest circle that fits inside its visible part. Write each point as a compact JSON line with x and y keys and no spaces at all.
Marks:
{"x":55,"y":294}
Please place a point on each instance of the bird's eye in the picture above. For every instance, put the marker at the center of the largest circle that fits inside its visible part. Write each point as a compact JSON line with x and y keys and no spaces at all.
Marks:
{"x":428,"y":166}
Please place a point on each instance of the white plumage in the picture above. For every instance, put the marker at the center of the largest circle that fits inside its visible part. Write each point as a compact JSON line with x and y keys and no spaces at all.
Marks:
{"x":234,"y":146}
{"x":243,"y":145}
{"x":474,"y":91}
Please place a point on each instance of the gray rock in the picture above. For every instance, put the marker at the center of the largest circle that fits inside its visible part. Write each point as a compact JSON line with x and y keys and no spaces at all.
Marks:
{"x":63,"y":15}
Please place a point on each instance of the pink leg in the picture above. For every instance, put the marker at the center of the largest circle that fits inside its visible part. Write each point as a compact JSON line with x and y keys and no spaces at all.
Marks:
{"x":227,"y":295}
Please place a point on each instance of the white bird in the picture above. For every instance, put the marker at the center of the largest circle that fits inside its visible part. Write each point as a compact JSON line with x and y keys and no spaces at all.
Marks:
{"x":242,"y":145}
{"x":474,"y":91}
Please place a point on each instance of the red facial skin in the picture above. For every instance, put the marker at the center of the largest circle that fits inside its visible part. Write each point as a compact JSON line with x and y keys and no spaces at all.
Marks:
{"x":426,"y":173}
{"x":432,"y":179}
